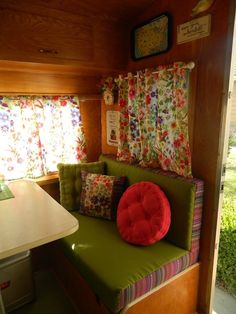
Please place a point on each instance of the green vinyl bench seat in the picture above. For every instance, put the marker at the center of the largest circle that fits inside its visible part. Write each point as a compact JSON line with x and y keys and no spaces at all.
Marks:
{"x":118,"y":272}
{"x":110,"y":265}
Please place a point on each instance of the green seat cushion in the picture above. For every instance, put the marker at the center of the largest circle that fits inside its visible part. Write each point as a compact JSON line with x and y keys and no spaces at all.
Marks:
{"x":70,"y":182}
{"x":179,"y":191}
{"x":108,"y":263}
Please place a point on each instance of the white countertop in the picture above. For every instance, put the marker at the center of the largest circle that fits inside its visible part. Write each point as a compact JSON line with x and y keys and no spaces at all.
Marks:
{"x":31,"y":218}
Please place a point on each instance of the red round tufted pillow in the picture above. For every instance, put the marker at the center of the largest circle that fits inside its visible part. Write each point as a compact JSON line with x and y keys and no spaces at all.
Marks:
{"x":143,"y":215}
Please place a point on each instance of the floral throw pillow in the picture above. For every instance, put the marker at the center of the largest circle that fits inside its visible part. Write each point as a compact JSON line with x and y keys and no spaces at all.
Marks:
{"x":100,"y":195}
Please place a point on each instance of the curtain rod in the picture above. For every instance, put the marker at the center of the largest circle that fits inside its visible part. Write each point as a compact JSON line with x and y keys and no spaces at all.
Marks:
{"x":189,"y":66}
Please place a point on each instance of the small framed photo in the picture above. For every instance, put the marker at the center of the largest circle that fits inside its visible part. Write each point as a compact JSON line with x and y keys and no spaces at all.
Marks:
{"x":151,"y":37}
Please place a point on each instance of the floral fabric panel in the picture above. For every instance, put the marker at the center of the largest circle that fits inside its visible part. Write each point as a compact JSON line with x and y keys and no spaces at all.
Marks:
{"x":100,"y":195}
{"x":172,"y":128}
{"x":37,"y":133}
{"x":123,"y":150}
{"x":154,"y":119}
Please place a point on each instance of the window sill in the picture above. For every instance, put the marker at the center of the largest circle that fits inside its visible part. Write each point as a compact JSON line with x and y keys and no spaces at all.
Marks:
{"x":46,"y":180}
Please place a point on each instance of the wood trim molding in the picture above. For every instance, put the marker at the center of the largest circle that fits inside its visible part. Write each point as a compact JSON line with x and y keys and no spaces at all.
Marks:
{"x":59,"y":69}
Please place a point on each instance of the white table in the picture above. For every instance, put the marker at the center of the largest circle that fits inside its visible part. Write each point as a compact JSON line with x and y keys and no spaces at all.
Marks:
{"x":30,"y":219}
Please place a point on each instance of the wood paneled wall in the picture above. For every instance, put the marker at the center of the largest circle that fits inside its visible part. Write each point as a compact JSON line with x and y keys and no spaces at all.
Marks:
{"x":91,"y":117}
{"x":41,"y":83}
{"x":211,"y":56}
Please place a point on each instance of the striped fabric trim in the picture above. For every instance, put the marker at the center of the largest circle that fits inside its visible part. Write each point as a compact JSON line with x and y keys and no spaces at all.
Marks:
{"x":171,"y":269}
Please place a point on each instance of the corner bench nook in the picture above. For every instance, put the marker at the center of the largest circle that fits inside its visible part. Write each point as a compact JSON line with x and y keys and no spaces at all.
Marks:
{"x":105,"y":274}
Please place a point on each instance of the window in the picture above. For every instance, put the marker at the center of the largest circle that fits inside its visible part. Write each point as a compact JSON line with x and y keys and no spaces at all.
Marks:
{"x":38,"y":132}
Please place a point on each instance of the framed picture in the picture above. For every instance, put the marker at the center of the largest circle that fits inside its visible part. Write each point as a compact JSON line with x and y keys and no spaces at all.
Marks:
{"x":151,"y":38}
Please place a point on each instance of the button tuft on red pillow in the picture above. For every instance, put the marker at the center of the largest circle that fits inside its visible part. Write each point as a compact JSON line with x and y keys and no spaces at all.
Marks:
{"x":143,"y":215}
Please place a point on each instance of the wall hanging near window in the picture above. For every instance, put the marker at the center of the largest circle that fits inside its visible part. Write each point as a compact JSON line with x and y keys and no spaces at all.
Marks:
{"x":109,"y":90}
{"x":154,"y":118}
{"x":38,"y":132}
{"x":151,"y":38}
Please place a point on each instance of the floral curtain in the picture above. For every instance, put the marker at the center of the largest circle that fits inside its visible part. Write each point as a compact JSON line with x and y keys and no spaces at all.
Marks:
{"x":154,"y":118}
{"x":38,"y":132}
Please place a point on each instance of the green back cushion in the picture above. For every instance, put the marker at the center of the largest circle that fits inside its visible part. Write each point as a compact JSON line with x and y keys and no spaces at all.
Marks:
{"x":71,"y":184}
{"x":179,"y":191}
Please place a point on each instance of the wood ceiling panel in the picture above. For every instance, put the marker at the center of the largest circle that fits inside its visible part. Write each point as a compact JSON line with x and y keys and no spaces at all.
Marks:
{"x":125,"y":10}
